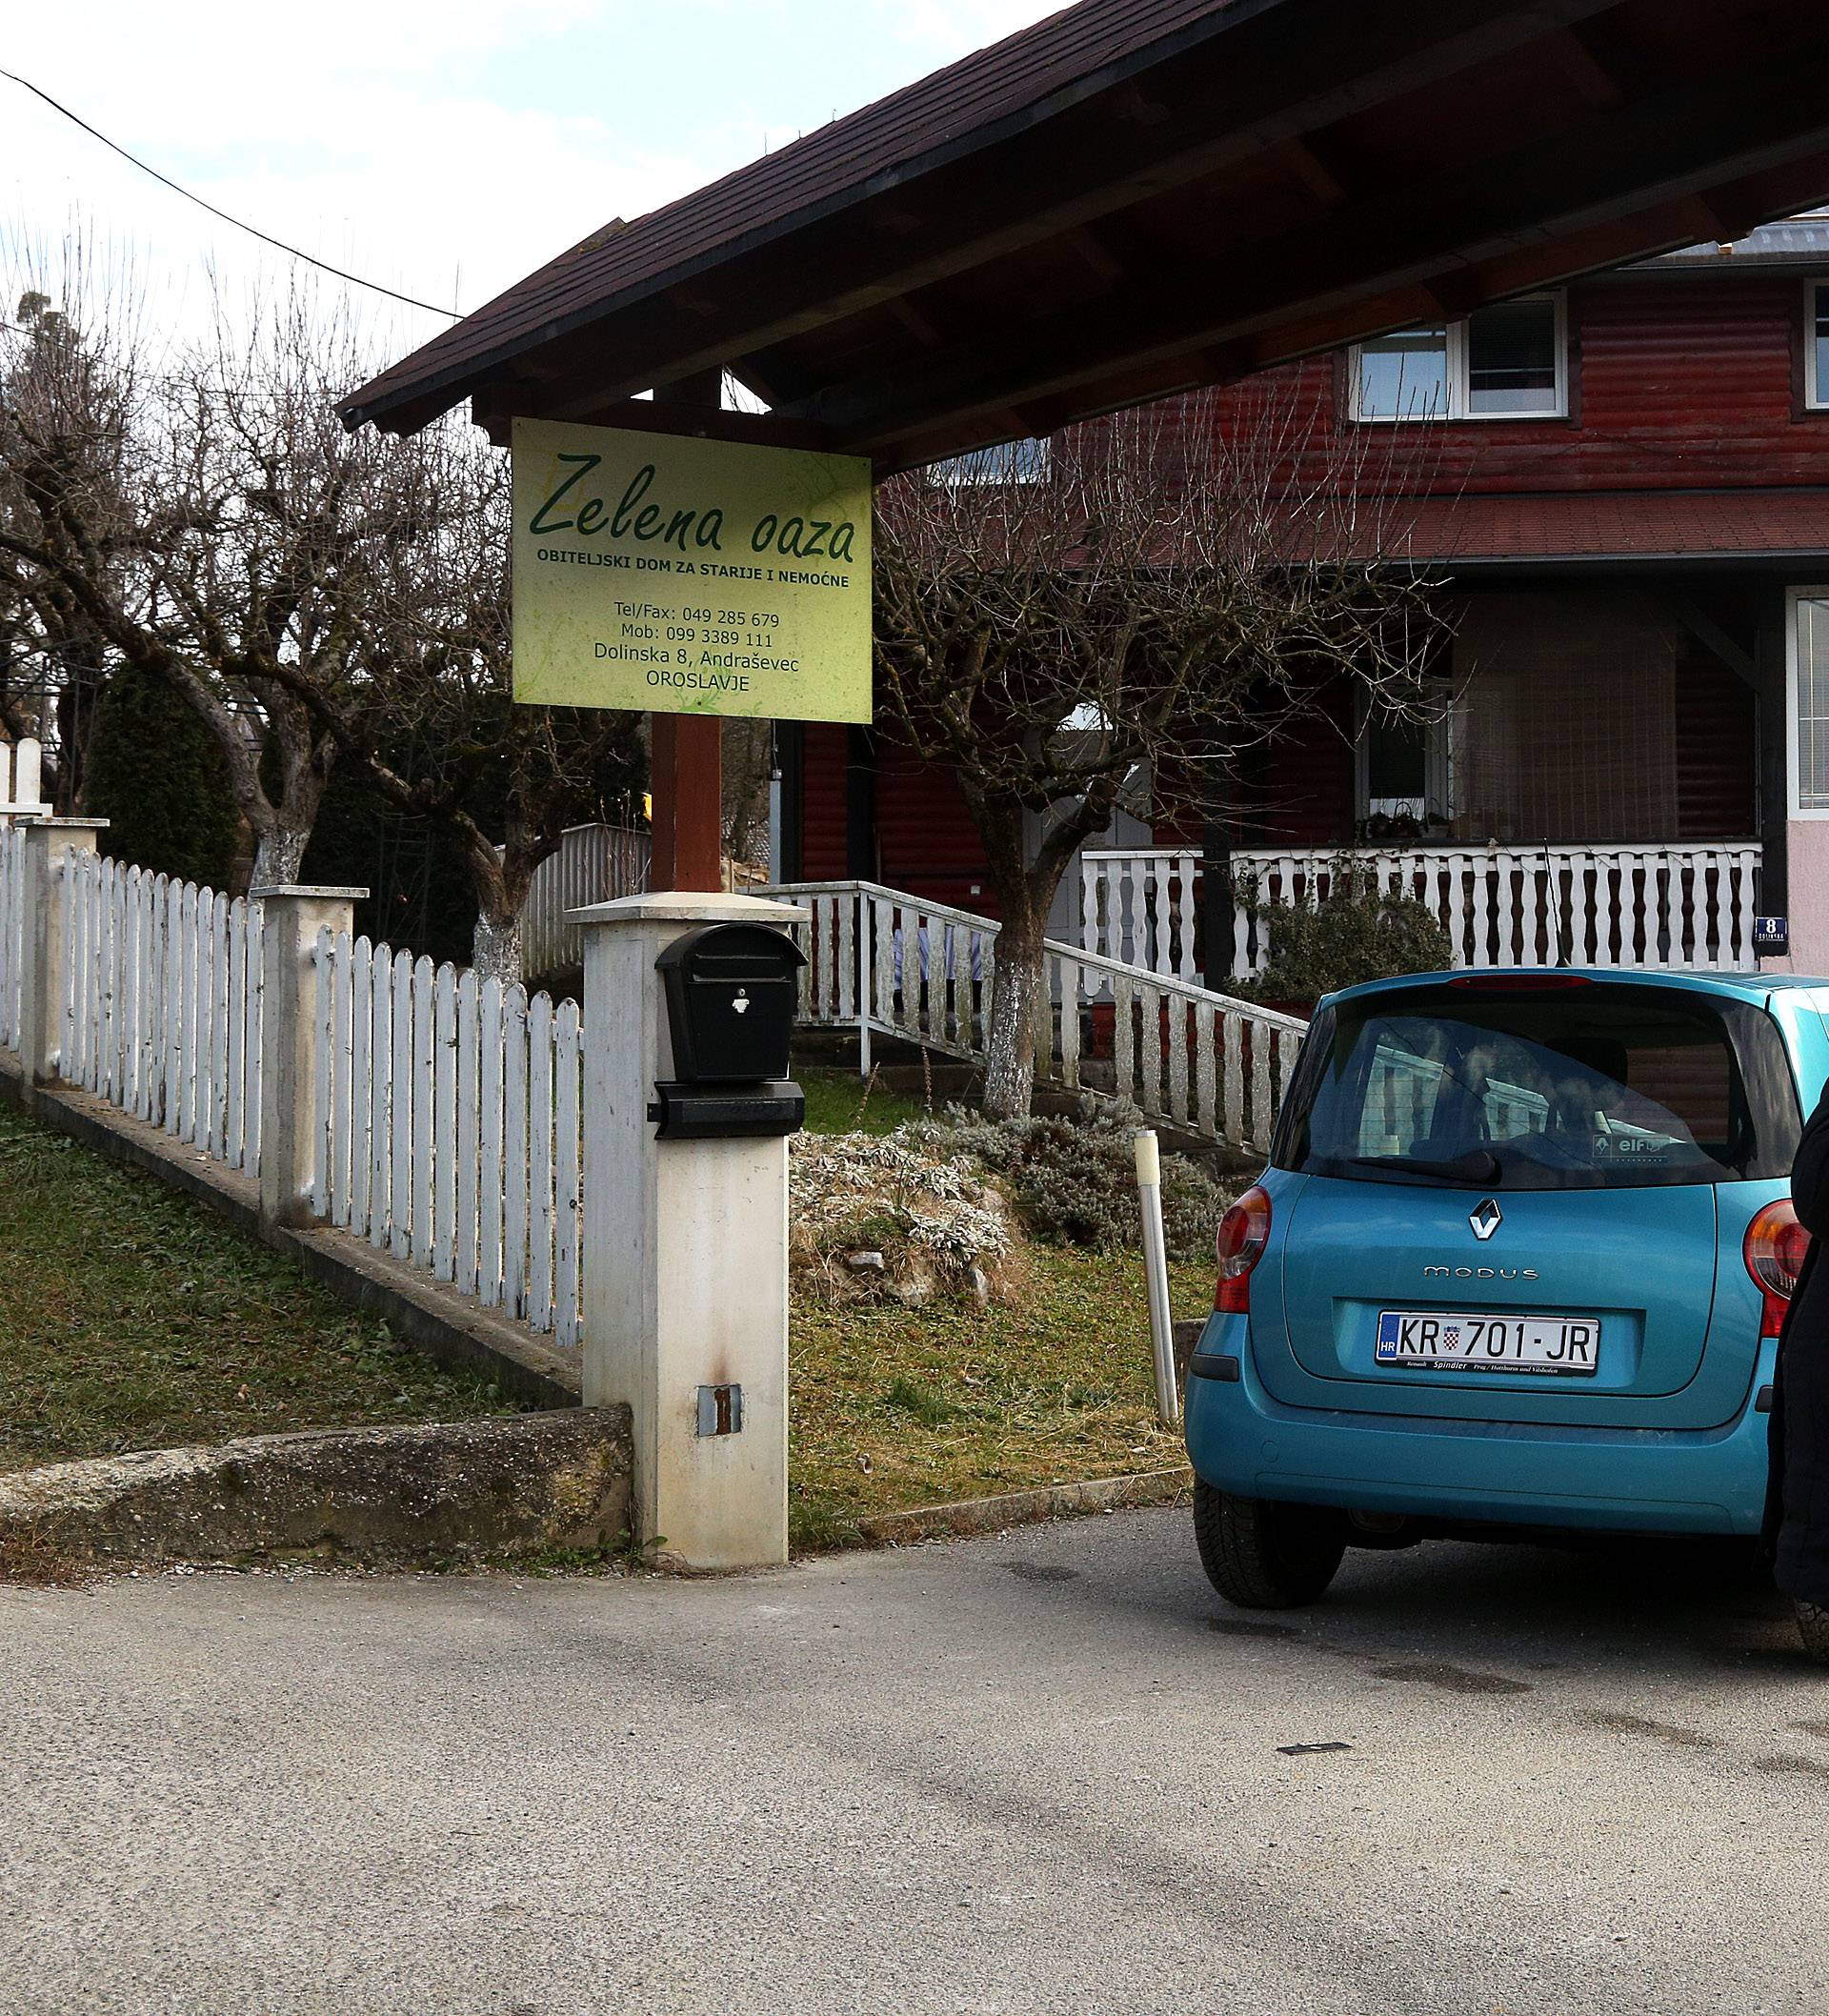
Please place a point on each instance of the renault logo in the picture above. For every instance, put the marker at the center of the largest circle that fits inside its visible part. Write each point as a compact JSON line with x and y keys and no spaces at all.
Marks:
{"x":1486,"y":1219}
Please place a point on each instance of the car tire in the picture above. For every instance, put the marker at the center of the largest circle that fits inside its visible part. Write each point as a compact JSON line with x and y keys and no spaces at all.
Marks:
{"x":1264,"y":1554}
{"x":1813,"y":1628}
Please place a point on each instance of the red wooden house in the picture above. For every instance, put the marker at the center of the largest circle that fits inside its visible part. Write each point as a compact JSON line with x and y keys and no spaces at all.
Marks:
{"x":1628,"y":504}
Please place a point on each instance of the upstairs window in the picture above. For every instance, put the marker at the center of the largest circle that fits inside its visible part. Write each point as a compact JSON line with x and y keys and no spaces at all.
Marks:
{"x":1509,"y":361}
{"x":1816,"y":344}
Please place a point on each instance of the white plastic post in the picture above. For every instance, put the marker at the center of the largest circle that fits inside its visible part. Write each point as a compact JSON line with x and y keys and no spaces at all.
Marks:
{"x":1156,"y":1270}
{"x":292,"y":916}
{"x":43,"y":937}
{"x":685,"y":1257}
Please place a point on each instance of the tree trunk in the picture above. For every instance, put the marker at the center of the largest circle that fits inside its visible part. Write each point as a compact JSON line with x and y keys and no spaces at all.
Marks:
{"x":1016,"y":999}
{"x":279,"y":856}
{"x":495,"y":949}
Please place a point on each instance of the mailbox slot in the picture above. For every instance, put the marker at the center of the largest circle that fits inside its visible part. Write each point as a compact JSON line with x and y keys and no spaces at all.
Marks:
{"x":712,"y":1113}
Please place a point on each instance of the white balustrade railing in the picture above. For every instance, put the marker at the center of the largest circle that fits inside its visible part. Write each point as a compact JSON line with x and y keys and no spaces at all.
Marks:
{"x":879,"y":960}
{"x":161,"y":1013}
{"x":447,"y":1127}
{"x":1657,"y":904}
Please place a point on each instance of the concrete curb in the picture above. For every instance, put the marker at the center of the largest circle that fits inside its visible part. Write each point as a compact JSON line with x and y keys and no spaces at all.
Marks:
{"x":476,"y":1487}
{"x":1023,"y":1508}
{"x":416,"y":1308}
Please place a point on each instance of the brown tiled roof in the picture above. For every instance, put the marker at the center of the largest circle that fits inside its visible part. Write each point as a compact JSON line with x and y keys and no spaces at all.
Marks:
{"x":1136,"y":196}
{"x":1700,"y":524}
{"x":969,"y":104}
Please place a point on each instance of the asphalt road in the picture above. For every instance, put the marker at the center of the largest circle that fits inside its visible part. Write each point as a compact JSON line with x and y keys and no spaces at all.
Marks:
{"x":1035,"y":1773}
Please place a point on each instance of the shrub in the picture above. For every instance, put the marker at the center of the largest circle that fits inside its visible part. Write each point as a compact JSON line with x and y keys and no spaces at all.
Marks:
{"x":938,"y":1223}
{"x":156,"y":775}
{"x":1073,"y":1181}
{"x":1354,"y":932}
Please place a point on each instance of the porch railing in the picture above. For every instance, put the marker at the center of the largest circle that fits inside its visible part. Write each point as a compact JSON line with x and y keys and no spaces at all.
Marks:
{"x":886,"y":963}
{"x":1681,"y":903}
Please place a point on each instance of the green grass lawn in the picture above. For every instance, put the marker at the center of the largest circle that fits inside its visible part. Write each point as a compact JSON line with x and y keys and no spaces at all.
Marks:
{"x":133,"y":1318}
{"x":838,"y":1101}
{"x":895,"y":1408}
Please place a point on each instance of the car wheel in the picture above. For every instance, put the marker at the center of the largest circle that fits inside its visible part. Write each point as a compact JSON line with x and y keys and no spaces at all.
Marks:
{"x":1813,"y":1628}
{"x":1264,"y":1554}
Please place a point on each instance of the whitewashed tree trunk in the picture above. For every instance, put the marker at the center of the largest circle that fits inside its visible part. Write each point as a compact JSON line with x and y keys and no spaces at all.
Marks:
{"x":279,"y":857}
{"x":495,"y":949}
{"x":1009,"y":1040}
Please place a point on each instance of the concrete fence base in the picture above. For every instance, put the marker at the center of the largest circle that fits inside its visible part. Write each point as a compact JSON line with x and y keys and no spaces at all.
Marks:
{"x":482,"y":1488}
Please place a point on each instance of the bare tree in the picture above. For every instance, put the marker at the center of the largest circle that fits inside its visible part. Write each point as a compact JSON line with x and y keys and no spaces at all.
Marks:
{"x":428,"y":713}
{"x":312,"y":595}
{"x":1169,"y":588}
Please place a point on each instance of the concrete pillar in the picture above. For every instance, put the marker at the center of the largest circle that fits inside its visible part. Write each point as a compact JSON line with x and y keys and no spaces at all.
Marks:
{"x":686,"y":1259}
{"x":44,"y":955}
{"x":291,"y":917}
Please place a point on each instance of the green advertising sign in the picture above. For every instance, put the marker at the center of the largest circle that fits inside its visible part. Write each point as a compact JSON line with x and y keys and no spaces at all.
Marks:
{"x":677,"y":575}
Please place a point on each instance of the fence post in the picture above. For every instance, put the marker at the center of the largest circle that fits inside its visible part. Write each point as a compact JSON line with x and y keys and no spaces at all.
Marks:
{"x":685,"y":1258}
{"x":291,"y":917}
{"x":866,"y":925}
{"x":44,"y":945}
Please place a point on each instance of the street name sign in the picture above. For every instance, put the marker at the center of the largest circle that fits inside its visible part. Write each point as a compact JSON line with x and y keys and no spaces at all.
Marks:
{"x":671,"y":574}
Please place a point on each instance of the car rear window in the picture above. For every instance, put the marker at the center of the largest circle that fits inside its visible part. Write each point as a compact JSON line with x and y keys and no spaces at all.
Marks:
{"x":1560,"y":1085}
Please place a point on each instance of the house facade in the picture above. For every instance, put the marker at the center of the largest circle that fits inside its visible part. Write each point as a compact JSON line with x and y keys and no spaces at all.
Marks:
{"x":1626,"y":505}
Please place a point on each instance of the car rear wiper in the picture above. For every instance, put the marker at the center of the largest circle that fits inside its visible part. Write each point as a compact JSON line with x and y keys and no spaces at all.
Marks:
{"x":1479,"y":1166}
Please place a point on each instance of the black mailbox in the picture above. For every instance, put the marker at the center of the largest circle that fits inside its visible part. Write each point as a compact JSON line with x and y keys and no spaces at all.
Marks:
{"x":730,"y":995}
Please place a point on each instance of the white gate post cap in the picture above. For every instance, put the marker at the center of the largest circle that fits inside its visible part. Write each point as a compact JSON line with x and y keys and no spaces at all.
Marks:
{"x":689,"y":906}
{"x":326,"y":893}
{"x":76,"y":825}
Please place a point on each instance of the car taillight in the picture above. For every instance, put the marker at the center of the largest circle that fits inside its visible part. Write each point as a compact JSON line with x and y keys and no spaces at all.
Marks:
{"x":1776,"y":1244}
{"x":1244,"y":1232}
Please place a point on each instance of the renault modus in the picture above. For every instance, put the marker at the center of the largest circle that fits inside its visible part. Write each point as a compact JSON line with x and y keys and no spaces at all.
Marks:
{"x":1517,"y":1267}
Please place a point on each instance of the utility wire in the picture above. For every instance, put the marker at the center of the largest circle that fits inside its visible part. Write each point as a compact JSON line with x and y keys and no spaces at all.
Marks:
{"x":278,"y":244}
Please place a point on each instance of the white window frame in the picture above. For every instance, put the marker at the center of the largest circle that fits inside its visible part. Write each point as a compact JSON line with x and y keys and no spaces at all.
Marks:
{"x":1438,"y":763}
{"x":1815,"y":396}
{"x":1459,"y":392}
{"x":1794,"y":600}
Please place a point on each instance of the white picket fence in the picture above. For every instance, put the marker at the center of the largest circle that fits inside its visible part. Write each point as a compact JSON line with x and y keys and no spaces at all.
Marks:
{"x":1682,"y":904}
{"x":447,"y":1127}
{"x":445,"y":1116}
{"x":879,"y":960}
{"x":161,"y":1012}
{"x":12,"y":864}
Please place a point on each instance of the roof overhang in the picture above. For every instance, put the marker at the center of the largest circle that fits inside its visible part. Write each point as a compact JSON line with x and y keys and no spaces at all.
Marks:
{"x":1136,"y":196}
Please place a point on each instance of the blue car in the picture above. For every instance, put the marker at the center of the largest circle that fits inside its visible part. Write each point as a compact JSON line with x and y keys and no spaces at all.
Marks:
{"x":1516,"y":1269}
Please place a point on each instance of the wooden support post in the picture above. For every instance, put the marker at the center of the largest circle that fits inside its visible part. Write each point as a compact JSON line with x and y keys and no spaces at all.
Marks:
{"x":686,"y":753}
{"x":1219,"y":901}
{"x":686,"y":779}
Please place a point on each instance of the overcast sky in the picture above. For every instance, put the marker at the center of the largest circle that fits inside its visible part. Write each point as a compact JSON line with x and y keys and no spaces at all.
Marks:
{"x":440,"y":146}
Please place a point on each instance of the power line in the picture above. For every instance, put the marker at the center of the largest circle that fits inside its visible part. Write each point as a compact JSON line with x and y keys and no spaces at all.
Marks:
{"x":278,"y":244}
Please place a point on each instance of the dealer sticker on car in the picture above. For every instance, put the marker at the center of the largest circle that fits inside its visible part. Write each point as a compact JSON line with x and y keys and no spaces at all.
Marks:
{"x":1567,"y":1345}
